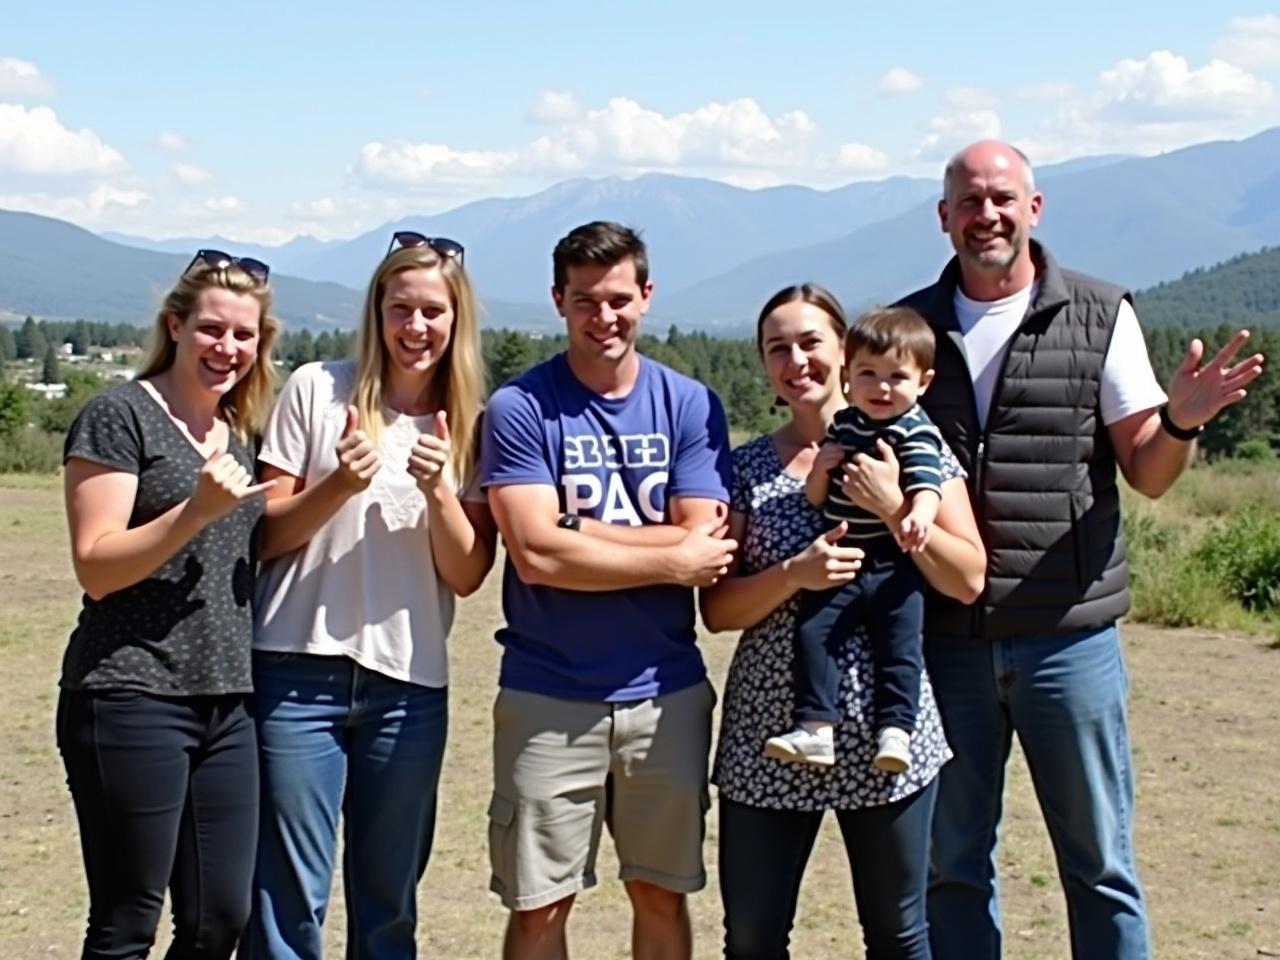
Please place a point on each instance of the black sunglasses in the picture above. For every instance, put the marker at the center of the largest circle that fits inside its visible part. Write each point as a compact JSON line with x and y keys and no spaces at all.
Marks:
{"x":256,"y":269}
{"x":406,"y":239}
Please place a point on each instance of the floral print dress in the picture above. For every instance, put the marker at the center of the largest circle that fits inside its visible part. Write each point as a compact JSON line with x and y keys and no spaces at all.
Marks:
{"x":758,"y":694}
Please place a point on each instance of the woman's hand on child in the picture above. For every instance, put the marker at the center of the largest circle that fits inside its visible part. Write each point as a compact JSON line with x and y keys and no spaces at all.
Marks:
{"x":872,"y":483}
{"x":824,"y":563}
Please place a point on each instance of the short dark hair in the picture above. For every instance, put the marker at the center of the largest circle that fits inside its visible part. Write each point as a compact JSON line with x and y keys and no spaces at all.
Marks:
{"x":891,"y":330}
{"x":601,"y":243}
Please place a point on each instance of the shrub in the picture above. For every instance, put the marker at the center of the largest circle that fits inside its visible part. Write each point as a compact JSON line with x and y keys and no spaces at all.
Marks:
{"x":1243,"y":554}
{"x":30,"y":450}
{"x":1256,"y":450}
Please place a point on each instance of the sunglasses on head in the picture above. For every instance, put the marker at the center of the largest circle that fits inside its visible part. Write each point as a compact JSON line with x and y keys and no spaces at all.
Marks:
{"x":407,"y":239}
{"x":256,"y":269}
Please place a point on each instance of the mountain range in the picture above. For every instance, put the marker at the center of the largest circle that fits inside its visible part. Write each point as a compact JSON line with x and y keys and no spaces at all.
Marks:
{"x":716,"y":251}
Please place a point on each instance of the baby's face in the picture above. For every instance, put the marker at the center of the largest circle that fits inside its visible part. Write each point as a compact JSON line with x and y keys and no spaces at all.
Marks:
{"x":885,"y":385}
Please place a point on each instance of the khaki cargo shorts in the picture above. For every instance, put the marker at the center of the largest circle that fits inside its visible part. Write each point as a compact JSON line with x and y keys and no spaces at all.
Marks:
{"x":564,"y":768}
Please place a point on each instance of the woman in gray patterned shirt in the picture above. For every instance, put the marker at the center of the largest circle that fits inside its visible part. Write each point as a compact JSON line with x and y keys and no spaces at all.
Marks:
{"x":153,"y":719}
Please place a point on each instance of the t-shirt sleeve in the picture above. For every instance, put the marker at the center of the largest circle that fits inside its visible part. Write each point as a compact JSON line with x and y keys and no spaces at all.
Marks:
{"x":286,"y":441}
{"x":920,"y":456}
{"x":1128,"y":382}
{"x":107,"y":433}
{"x":703,"y":463}
{"x":512,"y":450}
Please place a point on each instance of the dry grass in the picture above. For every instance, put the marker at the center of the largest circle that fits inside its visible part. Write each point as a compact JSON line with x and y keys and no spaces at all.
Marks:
{"x":1206,"y":728}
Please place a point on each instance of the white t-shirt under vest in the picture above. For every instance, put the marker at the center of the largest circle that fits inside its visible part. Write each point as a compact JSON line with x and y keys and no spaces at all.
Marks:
{"x":1128,"y":382}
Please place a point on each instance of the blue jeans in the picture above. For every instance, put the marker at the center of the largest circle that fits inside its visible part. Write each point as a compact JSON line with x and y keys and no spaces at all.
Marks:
{"x":763,"y":854}
{"x":1064,"y":696}
{"x":333,"y":737}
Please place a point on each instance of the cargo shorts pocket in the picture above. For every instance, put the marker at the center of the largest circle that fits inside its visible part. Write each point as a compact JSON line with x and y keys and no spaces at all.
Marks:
{"x":502,"y":815}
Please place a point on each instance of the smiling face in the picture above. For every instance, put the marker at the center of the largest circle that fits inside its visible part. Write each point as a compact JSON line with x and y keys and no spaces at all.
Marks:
{"x":417,"y":322}
{"x":602,"y":307}
{"x":885,"y":385}
{"x":990,"y":208}
{"x":217,"y":344}
{"x":802,"y":351}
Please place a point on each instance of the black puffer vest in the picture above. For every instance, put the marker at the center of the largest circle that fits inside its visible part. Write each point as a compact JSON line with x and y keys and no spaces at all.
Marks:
{"x":1042,"y":475}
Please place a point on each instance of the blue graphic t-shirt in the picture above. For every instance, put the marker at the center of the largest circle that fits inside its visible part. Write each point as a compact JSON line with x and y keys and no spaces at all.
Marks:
{"x":616,"y":460}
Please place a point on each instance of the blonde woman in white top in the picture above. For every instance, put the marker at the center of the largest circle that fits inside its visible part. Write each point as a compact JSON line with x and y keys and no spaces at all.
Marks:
{"x":372,"y":534}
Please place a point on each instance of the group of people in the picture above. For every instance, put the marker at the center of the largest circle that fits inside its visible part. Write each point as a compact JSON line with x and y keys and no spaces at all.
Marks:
{"x":924,"y":559}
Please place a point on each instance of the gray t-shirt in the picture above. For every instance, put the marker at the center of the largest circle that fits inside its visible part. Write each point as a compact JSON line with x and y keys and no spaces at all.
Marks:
{"x":187,"y":629}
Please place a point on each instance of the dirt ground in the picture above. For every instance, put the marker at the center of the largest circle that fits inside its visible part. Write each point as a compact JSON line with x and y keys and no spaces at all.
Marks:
{"x":1206,"y":729}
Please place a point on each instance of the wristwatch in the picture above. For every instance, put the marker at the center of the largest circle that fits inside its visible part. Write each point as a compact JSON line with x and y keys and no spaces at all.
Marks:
{"x":1172,"y":429}
{"x":569,"y":521}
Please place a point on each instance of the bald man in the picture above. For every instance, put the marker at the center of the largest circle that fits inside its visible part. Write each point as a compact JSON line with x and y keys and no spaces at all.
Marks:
{"x":1043,"y":388}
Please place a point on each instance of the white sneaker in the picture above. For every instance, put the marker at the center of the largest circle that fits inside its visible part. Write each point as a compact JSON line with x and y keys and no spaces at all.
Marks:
{"x":803,"y":746}
{"x":893,"y":754}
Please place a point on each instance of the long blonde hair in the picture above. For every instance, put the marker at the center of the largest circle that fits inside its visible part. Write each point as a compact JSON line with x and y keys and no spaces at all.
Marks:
{"x":457,"y":381}
{"x":247,"y":403}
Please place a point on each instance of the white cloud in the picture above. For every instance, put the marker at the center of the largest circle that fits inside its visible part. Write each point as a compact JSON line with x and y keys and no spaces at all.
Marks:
{"x":409,"y":164}
{"x":173,"y":142}
{"x":899,"y":82}
{"x":323,"y":207}
{"x":735,"y":141}
{"x":1164,"y":87}
{"x":970,"y":98}
{"x":1048,"y":91}
{"x":227,"y":204}
{"x":89,"y":207}
{"x":624,"y":134}
{"x":1154,"y":104}
{"x":190,"y":174}
{"x":555,"y":106}
{"x":22,"y":78}
{"x":1252,"y":42}
{"x":949,"y":132}
{"x":860,"y":158}
{"x":34,"y":141}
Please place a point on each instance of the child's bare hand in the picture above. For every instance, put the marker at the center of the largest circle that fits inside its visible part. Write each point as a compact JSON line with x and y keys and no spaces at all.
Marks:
{"x":913,"y":533}
{"x":830,"y":455}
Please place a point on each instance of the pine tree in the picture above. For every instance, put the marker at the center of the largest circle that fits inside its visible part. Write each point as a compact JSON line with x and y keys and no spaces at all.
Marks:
{"x":51,"y":372}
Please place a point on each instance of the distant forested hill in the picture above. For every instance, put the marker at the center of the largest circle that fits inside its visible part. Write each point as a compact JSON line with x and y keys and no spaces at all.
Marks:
{"x":1243,"y":291}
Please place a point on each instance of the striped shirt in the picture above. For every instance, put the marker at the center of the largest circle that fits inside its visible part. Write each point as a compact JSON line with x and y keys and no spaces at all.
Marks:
{"x":916,"y":443}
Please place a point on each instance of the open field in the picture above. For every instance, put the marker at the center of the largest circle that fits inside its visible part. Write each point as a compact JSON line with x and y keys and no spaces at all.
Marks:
{"x":1206,"y":722}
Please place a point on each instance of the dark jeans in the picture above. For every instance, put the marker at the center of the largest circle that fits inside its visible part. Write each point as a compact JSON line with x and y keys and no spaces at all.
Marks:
{"x":166,"y":792}
{"x":763,"y":854}
{"x":886,"y":601}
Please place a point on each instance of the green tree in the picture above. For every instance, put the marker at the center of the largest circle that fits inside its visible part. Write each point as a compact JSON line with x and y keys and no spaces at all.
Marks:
{"x":79,"y":338}
{"x":51,"y":371}
{"x":511,"y":355}
{"x":31,"y":341}
{"x":8,"y":346}
{"x":56,"y":415}
{"x":14,"y":404}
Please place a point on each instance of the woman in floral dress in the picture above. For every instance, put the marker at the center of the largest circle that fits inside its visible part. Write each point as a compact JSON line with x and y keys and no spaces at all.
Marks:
{"x":769,"y":811}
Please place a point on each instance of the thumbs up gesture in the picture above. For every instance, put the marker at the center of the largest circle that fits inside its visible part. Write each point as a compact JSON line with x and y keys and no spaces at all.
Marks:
{"x":358,"y":459}
{"x":430,"y":454}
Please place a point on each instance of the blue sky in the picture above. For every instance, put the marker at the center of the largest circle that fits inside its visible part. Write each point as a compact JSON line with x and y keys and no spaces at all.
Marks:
{"x":264,"y":121}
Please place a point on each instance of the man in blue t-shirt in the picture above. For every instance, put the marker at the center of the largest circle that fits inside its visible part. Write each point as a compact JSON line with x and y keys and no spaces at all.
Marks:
{"x":608,"y":475}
